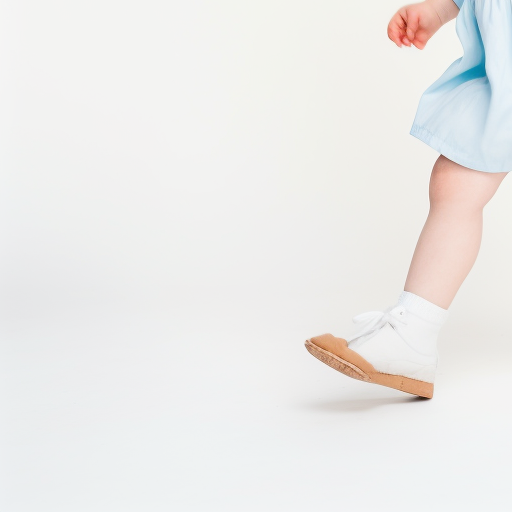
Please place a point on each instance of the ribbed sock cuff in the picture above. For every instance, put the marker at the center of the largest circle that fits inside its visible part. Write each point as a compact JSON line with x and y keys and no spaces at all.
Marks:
{"x":423,"y":308}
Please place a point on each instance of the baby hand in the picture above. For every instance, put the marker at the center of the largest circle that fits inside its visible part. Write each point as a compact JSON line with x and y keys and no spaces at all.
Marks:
{"x":414,"y":24}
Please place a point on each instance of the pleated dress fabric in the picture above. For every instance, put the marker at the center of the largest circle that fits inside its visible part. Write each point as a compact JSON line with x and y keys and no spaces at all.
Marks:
{"x":466,"y":114}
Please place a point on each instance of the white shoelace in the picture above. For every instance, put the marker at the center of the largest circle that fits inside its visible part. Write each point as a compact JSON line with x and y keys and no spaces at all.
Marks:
{"x":374,"y":320}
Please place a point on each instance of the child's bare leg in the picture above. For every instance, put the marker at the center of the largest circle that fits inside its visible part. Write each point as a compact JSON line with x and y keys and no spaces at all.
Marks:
{"x":397,"y":347}
{"x":450,"y":240}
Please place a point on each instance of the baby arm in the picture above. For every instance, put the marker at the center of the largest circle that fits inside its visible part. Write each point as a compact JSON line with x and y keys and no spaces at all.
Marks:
{"x":417,"y":23}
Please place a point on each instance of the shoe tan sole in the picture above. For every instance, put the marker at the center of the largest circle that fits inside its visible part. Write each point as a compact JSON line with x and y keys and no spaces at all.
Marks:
{"x":353,"y":365}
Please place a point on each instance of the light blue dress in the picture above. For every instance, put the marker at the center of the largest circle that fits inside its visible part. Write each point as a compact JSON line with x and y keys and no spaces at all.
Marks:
{"x":466,"y":114}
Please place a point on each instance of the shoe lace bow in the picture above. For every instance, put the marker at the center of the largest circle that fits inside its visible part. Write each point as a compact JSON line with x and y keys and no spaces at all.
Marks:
{"x":371,"y":321}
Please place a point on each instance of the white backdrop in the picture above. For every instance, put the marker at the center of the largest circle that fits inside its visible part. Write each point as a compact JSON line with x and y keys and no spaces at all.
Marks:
{"x":188,"y":191}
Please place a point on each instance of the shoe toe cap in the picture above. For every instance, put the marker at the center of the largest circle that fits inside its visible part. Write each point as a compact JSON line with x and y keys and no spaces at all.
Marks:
{"x":329,"y":343}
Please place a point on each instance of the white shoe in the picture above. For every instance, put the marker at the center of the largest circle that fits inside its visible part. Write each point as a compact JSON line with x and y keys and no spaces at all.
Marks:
{"x":394,"y":348}
{"x":384,"y":340}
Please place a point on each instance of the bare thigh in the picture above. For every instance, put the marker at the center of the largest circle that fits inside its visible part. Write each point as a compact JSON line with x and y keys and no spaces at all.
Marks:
{"x":452,"y":184}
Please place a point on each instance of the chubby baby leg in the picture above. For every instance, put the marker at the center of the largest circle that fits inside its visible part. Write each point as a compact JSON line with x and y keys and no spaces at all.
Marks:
{"x":397,"y":347}
{"x":450,"y":240}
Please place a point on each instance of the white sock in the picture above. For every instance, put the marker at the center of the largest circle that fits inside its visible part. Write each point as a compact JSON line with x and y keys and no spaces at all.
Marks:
{"x":424,"y":321}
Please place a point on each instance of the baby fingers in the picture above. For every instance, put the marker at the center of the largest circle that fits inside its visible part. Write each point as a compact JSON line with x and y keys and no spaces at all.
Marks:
{"x":396,"y":29}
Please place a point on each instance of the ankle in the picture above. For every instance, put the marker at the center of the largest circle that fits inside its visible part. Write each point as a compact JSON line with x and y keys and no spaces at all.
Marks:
{"x":423,"y":322}
{"x":423,"y":308}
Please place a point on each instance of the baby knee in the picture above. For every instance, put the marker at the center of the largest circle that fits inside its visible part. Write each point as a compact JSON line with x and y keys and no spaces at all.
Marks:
{"x":445,"y":186}
{"x":455,"y":185}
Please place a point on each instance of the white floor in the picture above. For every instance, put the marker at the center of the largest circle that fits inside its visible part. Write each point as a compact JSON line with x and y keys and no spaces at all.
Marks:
{"x":118,"y":409}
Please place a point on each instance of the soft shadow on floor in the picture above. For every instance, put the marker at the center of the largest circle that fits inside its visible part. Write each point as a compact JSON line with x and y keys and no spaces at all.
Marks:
{"x":359,"y":404}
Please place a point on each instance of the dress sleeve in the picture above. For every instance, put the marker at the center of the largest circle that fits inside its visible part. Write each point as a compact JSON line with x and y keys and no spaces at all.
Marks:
{"x":459,"y":3}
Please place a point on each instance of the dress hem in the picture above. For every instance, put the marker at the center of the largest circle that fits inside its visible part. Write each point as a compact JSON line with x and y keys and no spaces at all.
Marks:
{"x":448,"y":151}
